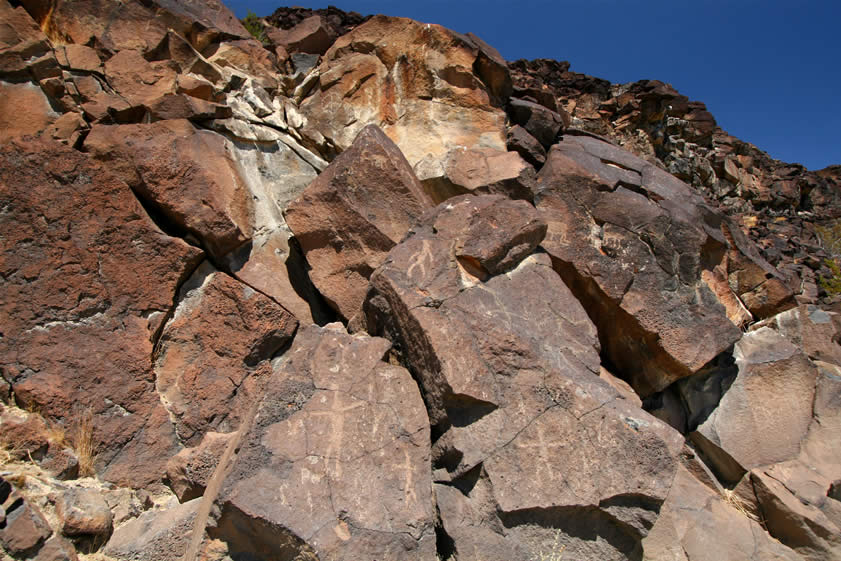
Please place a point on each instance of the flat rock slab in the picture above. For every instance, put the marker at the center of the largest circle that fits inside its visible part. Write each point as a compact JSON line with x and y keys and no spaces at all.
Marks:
{"x":508,"y":363}
{"x":222,"y":333}
{"x":336,"y":462}
{"x":88,"y":279}
{"x":351,"y":216}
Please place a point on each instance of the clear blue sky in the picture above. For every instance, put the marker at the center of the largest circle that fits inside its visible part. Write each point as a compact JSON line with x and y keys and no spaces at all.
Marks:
{"x":770,"y":71}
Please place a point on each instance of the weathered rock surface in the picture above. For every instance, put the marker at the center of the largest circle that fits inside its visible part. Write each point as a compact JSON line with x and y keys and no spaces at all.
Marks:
{"x":84,"y":512}
{"x":24,"y":529}
{"x":694,"y":513}
{"x":509,"y":368}
{"x":333,"y":419}
{"x":775,"y":432}
{"x":430,"y":89}
{"x":221,"y":334}
{"x":157,"y":535}
{"x":185,"y":173}
{"x":189,"y":472}
{"x":477,"y":171}
{"x":351,"y":216}
{"x":634,"y":243}
{"x":86,"y":274}
{"x":777,"y":204}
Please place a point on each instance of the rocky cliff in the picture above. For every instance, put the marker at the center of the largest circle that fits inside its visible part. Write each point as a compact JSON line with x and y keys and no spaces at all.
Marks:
{"x":358,"y":288}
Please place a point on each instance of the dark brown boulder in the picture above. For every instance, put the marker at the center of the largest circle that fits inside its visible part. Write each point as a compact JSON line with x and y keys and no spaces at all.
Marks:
{"x":519,"y":140}
{"x":508,"y":363}
{"x":86,"y":274}
{"x":309,"y":36}
{"x":352,"y":214}
{"x":542,"y":123}
{"x":186,"y":173}
{"x":639,"y":248}
{"x":336,"y":462}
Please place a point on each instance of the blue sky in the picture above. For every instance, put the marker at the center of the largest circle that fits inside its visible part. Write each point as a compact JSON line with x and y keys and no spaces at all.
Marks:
{"x":770,"y":71}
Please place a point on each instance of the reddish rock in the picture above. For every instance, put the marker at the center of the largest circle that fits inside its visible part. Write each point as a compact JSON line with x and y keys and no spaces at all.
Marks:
{"x":428,"y":88}
{"x":247,"y":56}
{"x":189,"y":471}
{"x":14,"y":122}
{"x":542,"y":123}
{"x":137,"y":80}
{"x":693,"y":513}
{"x":186,"y":173}
{"x":221,"y":333}
{"x":177,"y":106}
{"x":509,"y":369}
{"x":478,"y":171}
{"x":309,"y":36}
{"x":23,"y":529}
{"x":23,"y":47}
{"x":56,"y":548}
{"x":351,"y":216}
{"x":87,"y":274}
{"x":79,"y":57}
{"x":336,"y":462}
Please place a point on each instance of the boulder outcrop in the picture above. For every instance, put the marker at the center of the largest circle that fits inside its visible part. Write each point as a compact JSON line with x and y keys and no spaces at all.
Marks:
{"x":508,"y":363}
{"x":329,"y":286}
{"x":649,"y":260}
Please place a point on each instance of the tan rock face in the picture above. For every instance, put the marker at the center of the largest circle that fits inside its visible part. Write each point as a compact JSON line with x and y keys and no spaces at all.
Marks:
{"x":415,"y":81}
{"x":333,"y":419}
{"x":776,"y":429}
{"x":220,"y":334}
{"x":509,"y":368}
{"x":86,"y":274}
{"x":351,"y":216}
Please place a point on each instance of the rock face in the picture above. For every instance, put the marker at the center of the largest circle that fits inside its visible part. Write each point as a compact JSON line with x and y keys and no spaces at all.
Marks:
{"x":514,"y":408}
{"x":351,"y":216}
{"x":219,"y":337}
{"x":333,"y":419}
{"x":428,"y":100}
{"x":642,"y":253}
{"x":86,"y":274}
{"x":603,"y":343}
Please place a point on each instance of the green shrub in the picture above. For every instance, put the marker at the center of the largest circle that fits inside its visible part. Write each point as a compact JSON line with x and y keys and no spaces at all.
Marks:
{"x":255,"y":26}
{"x":830,"y":239}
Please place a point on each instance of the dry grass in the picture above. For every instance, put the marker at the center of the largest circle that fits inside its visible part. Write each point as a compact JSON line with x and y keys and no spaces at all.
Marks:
{"x":555,"y":553}
{"x":83,"y":443}
{"x":732,"y":499}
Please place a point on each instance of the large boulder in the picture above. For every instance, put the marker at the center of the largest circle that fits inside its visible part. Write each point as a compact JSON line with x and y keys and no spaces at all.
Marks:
{"x":221,"y":334}
{"x":509,"y":367}
{"x":225,"y":192}
{"x":775,"y":432}
{"x":335,"y":464}
{"x":351,"y":216}
{"x":88,"y":279}
{"x":693,"y":513}
{"x":648,"y":259}
{"x":430,"y":89}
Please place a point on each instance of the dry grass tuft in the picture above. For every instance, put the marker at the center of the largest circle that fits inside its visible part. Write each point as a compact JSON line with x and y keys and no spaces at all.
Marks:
{"x":83,"y":444}
{"x":733,"y":500}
